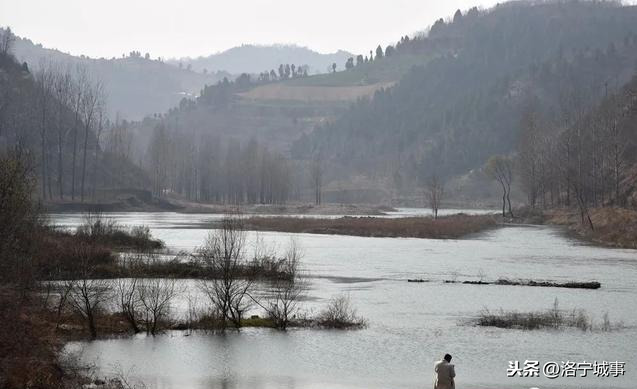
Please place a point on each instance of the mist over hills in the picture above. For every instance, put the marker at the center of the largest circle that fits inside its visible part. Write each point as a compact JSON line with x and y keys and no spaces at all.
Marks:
{"x":258,"y":58}
{"x":485,"y":70}
{"x":442,"y":102}
{"x":138,"y":85}
{"x":135,"y":86}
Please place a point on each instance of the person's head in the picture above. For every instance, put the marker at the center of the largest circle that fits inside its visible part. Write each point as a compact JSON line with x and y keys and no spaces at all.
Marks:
{"x":448,"y":357}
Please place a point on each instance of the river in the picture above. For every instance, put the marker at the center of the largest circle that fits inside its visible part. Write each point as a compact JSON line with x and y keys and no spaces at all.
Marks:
{"x":411,"y":325}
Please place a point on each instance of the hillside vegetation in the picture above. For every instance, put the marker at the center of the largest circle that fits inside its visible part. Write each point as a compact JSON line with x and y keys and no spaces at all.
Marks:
{"x":487,"y":69}
{"x":437,"y":104}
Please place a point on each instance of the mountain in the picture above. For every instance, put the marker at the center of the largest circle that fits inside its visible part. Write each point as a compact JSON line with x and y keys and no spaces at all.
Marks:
{"x":441,"y":103}
{"x":466,"y":101}
{"x":254,"y":59}
{"x":135,"y":85}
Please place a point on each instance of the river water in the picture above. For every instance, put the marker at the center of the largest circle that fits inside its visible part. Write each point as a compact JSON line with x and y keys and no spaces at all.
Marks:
{"x":410,"y":324}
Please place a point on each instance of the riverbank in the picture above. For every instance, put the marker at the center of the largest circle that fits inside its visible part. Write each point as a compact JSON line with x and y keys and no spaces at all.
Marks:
{"x":612,"y":227}
{"x":139,"y":203}
{"x":446,"y":227}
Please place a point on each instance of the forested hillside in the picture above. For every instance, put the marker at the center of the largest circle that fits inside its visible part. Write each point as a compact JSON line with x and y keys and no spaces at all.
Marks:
{"x":467,"y":103}
{"x":439,"y":104}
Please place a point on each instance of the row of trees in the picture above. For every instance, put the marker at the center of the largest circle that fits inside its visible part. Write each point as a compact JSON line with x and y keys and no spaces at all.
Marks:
{"x":284,"y":72}
{"x":583,"y":158}
{"x":204,"y":170}
{"x":360,"y":59}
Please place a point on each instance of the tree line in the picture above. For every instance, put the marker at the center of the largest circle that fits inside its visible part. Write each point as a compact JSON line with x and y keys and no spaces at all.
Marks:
{"x":208,"y":170}
{"x":581,"y":158}
{"x":284,"y":72}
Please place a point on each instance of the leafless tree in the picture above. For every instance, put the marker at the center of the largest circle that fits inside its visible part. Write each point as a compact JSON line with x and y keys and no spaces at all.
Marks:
{"x":128,"y":299}
{"x":64,"y":292}
{"x":92,"y":99}
{"x":63,"y":91}
{"x":88,"y":294}
{"x":435,"y":193}
{"x":77,"y":101}
{"x":286,"y":291}
{"x":155,"y":296}
{"x":500,"y":168}
{"x":231,"y":278}
{"x":316,"y":173}
{"x":45,"y":80}
{"x":98,"y":134}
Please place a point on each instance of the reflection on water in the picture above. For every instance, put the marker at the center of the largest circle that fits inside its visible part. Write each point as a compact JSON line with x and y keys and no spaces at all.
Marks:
{"x":411,"y":325}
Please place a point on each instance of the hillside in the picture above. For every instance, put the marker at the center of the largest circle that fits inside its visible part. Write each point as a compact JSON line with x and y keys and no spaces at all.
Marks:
{"x":135,"y":86}
{"x":61,"y":137}
{"x":253,"y":59}
{"x":439,"y":103}
{"x":465,"y":103}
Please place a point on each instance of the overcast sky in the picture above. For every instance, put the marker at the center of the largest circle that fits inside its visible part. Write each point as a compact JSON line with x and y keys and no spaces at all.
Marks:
{"x":107,"y":28}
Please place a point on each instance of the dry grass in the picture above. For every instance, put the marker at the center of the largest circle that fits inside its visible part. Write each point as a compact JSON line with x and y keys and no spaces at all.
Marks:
{"x":535,"y":320}
{"x":449,"y":227}
{"x":613,"y":226}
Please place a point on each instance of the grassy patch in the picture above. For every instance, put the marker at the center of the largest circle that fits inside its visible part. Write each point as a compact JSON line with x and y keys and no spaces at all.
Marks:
{"x":448,"y":227}
{"x":616,"y":227}
{"x":553,"y":318}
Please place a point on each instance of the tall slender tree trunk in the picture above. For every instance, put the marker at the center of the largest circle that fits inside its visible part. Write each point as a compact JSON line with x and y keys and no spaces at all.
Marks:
{"x":43,"y":142}
{"x":74,"y":163}
{"x":84,"y":162}
{"x":95,"y":162}
{"x":60,"y":164}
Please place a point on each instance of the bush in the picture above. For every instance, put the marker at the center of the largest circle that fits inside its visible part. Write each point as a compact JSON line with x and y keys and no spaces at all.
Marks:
{"x":340,"y":313}
{"x":551,"y":318}
{"x":98,"y":229}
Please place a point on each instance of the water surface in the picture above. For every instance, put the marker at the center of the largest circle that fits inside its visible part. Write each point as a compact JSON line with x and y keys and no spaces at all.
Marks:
{"x":410,"y":325}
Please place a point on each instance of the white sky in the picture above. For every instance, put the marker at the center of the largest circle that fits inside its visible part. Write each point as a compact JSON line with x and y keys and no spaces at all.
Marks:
{"x":197,"y":27}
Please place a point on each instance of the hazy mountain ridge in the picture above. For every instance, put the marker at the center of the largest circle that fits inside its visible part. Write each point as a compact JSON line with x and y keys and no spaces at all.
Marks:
{"x":254,"y":59}
{"x":464,"y":105}
{"x":135,"y":86}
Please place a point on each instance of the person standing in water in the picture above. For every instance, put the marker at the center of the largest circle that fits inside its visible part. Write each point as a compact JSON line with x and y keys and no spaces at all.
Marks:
{"x":444,"y":374}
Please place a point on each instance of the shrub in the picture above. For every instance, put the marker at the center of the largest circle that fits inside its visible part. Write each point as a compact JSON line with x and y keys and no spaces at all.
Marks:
{"x":340,"y":313}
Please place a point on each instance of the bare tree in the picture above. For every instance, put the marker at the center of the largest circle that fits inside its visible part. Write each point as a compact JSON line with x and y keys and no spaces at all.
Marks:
{"x":45,"y":80}
{"x":63,"y":91}
{"x":287,"y":290}
{"x":435,"y":192}
{"x":98,"y":134}
{"x":155,"y":296}
{"x":316,"y":173}
{"x":92,"y":98}
{"x":127,"y":290}
{"x":500,"y":168}
{"x":231,"y":278}
{"x":79,"y":88}
{"x":87,"y":294}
